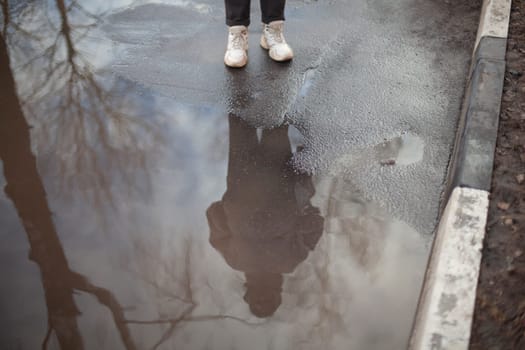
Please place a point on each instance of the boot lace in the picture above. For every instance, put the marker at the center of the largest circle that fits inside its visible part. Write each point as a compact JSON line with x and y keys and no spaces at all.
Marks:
{"x":237,"y":40}
{"x":275,"y":34}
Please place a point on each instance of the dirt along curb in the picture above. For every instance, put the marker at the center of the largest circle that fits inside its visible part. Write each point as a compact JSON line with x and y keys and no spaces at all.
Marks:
{"x":499,"y":318}
{"x":446,"y":307}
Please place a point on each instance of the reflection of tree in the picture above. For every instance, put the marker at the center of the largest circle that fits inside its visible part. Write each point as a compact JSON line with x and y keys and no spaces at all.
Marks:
{"x":5,"y":15}
{"x":26,"y":190}
{"x":181,"y":289}
{"x":90,"y":125}
{"x":87,"y":122}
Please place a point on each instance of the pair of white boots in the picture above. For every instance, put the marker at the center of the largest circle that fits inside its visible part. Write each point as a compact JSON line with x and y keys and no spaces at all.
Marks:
{"x":272,"y":39}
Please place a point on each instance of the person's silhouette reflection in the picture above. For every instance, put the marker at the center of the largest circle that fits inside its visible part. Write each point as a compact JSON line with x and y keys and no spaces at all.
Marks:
{"x":264,"y":225}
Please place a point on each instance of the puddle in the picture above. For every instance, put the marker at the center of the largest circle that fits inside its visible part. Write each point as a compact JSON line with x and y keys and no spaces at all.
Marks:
{"x":403,"y":150}
{"x":138,"y":221}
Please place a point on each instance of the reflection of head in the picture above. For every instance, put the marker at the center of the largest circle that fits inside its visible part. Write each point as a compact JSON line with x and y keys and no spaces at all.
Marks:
{"x":263,"y":292}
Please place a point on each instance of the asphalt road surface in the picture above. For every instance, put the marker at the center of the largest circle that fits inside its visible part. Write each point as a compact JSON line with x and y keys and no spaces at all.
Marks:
{"x":155,"y":199}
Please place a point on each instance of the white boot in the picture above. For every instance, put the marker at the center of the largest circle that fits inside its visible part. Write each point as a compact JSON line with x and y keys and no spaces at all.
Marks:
{"x":236,"y":55}
{"x":272,"y":39}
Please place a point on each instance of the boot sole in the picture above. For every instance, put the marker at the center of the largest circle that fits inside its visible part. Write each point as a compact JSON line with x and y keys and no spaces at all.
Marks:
{"x":265,"y":46}
{"x":236,"y":65}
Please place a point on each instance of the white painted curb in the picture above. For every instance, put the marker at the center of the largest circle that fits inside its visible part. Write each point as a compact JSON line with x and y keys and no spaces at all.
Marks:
{"x":494,"y":21}
{"x":447,"y":303}
{"x":446,"y":307}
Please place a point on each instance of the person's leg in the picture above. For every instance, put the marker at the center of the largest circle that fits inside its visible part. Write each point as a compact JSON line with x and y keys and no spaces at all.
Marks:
{"x":272,"y":38}
{"x":272,"y":10}
{"x":237,"y":12}
{"x":237,"y":19}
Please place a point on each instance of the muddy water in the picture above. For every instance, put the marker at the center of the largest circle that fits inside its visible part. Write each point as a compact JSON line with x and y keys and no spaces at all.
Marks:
{"x":134,"y":220}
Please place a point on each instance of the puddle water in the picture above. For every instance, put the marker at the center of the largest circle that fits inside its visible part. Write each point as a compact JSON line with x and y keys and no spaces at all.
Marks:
{"x":403,"y":150}
{"x":134,"y":221}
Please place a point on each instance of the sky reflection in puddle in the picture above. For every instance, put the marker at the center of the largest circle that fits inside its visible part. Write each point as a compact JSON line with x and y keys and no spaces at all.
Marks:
{"x":137,"y":222}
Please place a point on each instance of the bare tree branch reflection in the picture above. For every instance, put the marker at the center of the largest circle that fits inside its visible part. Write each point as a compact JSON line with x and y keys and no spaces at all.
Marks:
{"x":26,"y":191}
{"x":196,"y":318}
{"x":106,"y":298}
{"x":5,"y":15}
{"x":90,"y":125}
{"x":91,"y":129}
{"x":180,"y":274}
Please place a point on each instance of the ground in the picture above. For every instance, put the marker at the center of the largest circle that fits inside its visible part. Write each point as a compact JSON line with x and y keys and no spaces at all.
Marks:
{"x":499,"y":321}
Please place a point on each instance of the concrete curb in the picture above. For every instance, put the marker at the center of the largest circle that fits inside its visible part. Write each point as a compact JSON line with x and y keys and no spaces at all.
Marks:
{"x":446,"y":306}
{"x":445,"y":316}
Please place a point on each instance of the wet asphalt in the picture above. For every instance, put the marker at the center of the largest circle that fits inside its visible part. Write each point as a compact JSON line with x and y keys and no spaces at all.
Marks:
{"x":155,"y":199}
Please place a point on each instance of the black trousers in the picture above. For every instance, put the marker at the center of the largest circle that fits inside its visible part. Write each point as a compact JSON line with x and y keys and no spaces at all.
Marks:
{"x":238,"y":11}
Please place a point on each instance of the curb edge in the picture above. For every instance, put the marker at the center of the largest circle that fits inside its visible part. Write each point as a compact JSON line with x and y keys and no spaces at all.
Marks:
{"x":449,"y":294}
{"x":446,"y":306}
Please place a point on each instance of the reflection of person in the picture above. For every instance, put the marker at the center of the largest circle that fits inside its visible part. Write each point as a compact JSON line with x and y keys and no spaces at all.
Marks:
{"x":264,"y":225}
{"x":272,"y":39}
